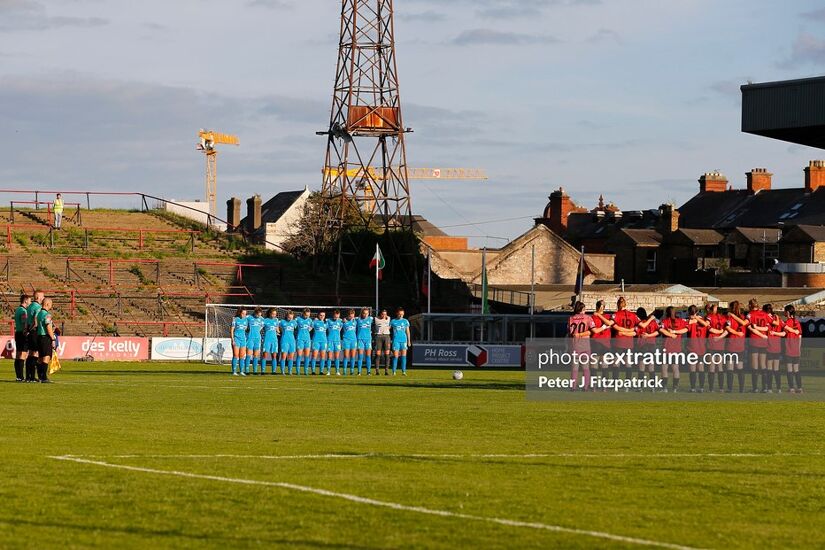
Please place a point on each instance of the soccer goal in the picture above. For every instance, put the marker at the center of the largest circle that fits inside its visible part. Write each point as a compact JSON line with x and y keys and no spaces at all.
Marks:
{"x":217,"y":338}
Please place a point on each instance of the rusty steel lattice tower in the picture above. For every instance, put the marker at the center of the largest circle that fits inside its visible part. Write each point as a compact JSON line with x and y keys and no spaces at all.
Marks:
{"x":366,"y":163}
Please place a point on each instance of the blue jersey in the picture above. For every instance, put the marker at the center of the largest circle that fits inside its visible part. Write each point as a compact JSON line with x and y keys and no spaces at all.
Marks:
{"x":350,"y":326}
{"x":288,"y":329}
{"x":319,"y":330}
{"x":255,"y":326}
{"x":334,"y":327}
{"x":399,"y":329}
{"x":271,"y":327}
{"x":304,"y":325}
{"x":239,"y":326}
{"x":365,"y":328}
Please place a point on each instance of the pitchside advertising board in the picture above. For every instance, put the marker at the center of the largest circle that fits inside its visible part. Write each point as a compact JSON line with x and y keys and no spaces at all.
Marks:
{"x":102,"y":348}
{"x":213,"y":350}
{"x":466,"y":355}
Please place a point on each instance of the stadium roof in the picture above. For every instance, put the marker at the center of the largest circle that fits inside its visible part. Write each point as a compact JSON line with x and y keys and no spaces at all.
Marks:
{"x":789,"y":110}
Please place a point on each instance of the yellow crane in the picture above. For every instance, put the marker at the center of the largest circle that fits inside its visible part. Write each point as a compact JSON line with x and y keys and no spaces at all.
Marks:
{"x":207,"y":140}
{"x":417,"y":173}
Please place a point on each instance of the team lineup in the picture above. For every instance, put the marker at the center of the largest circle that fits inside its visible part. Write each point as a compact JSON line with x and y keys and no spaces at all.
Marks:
{"x":759,"y":337}
{"x":291,"y":344}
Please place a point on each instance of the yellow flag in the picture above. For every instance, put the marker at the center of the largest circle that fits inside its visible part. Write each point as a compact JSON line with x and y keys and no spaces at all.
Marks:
{"x":54,"y":364}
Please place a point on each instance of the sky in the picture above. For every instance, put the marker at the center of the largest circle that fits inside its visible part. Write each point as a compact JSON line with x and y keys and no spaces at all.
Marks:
{"x":631,"y":99}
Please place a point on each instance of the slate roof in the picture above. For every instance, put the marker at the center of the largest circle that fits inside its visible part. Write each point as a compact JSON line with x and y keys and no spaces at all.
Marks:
{"x":740,"y":208}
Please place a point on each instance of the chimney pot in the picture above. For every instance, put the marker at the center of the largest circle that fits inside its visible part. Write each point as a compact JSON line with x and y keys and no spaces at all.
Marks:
{"x":759,"y":179}
{"x":233,"y":214}
{"x":814,"y":175}
{"x":713,"y":182}
{"x":253,"y":213}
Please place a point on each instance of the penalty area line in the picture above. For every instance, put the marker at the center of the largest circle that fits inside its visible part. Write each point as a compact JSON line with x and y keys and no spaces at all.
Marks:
{"x":383,"y":503}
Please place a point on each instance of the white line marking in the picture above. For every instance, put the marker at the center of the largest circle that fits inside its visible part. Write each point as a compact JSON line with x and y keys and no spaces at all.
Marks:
{"x":384,"y":504}
{"x":116,"y":384}
{"x":456,"y":456}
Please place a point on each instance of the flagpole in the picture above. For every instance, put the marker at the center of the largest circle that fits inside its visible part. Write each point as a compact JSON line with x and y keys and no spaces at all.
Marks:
{"x":581,"y":277}
{"x":377,"y":262}
{"x":429,"y":282}
{"x":483,"y":289}
{"x":532,"y":290}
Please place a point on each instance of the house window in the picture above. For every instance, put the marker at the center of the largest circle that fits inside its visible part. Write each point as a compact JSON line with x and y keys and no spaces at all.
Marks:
{"x":651,"y":261}
{"x":771,"y":253}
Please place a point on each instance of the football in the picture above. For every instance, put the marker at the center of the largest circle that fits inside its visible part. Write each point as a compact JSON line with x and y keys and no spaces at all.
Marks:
{"x":458,"y":375}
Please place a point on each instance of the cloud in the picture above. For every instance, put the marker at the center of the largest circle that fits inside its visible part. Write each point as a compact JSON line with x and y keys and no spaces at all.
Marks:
{"x":27,"y":15}
{"x":429,"y":16}
{"x":806,"y":49}
{"x":270,"y":4}
{"x":605,"y":35}
{"x":816,"y":15}
{"x":474,"y":37}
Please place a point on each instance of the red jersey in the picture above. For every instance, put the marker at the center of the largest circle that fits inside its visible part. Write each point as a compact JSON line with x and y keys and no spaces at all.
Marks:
{"x":774,"y":325}
{"x":736,"y":343}
{"x":673,"y":345}
{"x":793,"y":342}
{"x":717,"y":321}
{"x":599,"y":323}
{"x":651,"y":328}
{"x":628,"y":321}
{"x":697,"y":334}
{"x":757,"y":318}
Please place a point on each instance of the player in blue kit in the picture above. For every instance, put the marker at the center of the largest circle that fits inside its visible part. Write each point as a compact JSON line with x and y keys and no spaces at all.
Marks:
{"x":303,"y":341}
{"x":240,"y":323}
{"x":288,"y":328}
{"x":364,"y":335}
{"x":349,"y":341}
{"x":270,"y":348}
{"x":253,"y":341}
{"x":400,"y":341}
{"x":334,"y":327}
{"x":319,"y":340}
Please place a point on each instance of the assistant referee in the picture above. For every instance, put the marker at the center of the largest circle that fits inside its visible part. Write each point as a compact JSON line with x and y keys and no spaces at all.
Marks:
{"x":21,"y":344}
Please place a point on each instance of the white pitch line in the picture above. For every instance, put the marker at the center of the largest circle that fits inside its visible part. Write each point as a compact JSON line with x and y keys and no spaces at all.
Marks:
{"x":386,"y":504}
{"x":452,"y":455}
{"x":117,"y":384}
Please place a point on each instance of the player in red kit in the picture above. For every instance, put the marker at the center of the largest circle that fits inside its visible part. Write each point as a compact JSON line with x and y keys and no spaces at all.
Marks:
{"x":776,"y":331}
{"x":793,"y":349}
{"x":717,"y":333}
{"x":672,"y":329}
{"x":757,"y":331}
{"x":697,"y":334}
{"x":579,"y":328}
{"x":600,"y":337}
{"x":736,"y":327}
{"x":624,"y":330}
{"x":646,"y":331}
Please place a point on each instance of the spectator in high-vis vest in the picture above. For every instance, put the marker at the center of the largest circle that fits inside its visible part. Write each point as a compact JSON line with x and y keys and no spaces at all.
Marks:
{"x":58,"y":211}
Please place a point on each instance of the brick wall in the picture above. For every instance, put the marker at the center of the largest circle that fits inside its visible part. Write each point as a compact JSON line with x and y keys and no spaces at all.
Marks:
{"x":651,"y":301}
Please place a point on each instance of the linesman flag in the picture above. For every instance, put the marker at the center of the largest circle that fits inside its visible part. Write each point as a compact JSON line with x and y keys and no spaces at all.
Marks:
{"x":378,"y":263}
{"x":54,"y":362}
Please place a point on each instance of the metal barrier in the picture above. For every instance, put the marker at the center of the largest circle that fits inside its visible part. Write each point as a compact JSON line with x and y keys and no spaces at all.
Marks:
{"x":111,"y":263}
{"x":76,"y":217}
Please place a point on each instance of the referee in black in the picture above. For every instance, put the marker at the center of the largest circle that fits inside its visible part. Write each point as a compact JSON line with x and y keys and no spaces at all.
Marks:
{"x":21,"y":344}
{"x":45,"y":340}
{"x":31,"y":338}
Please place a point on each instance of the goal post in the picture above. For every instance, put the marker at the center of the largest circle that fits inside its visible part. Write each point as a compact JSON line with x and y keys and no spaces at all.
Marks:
{"x":217,"y":337}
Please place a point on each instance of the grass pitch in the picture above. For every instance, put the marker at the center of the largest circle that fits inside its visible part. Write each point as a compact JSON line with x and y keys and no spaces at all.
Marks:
{"x":179,"y":456}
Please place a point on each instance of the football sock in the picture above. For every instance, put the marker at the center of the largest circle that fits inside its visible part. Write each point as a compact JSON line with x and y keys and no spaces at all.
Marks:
{"x":721,"y":380}
{"x":234,"y":364}
{"x":586,"y":372}
{"x":702,"y":380}
{"x":710,"y":381}
{"x":394,"y":364}
{"x":675,"y":383}
{"x":369,"y":363}
{"x":693,"y":380}
{"x":754,"y":379}
{"x":798,"y":376}
{"x":777,"y":379}
{"x":767,"y":379}
{"x":18,"y":368}
{"x":790,"y":380}
{"x":729,"y":376}
{"x":764,"y":379}
{"x":741,"y":376}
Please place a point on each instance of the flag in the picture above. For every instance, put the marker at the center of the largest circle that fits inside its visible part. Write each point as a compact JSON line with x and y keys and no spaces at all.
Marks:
{"x":54,"y":364}
{"x":378,"y":262}
{"x":581,"y":273}
{"x":425,"y":277}
{"x":485,"y":305}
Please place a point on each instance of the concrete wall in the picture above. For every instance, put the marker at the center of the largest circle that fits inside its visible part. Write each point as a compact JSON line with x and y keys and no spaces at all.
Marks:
{"x":201,"y":216}
{"x":651,"y":301}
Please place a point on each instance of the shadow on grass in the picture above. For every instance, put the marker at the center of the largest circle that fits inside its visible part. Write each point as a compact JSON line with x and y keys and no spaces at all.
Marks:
{"x":109,"y":372}
{"x":464,"y":385}
{"x":231,"y":541}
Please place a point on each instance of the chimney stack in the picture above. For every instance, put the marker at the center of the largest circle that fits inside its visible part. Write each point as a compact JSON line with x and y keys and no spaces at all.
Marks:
{"x":233,"y":214}
{"x":253,"y":213}
{"x":713,"y":182}
{"x":668,"y":219}
{"x":814,"y":175}
{"x":759,"y":179}
{"x":559,"y":209}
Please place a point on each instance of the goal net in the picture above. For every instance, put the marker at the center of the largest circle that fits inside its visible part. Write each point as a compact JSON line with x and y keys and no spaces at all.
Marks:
{"x":217,"y":338}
